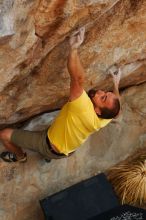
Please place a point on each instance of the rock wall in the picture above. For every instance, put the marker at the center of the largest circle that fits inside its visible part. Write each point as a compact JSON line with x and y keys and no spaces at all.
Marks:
{"x":34,"y":79}
{"x":34,"y":48}
{"x":23,"y":185}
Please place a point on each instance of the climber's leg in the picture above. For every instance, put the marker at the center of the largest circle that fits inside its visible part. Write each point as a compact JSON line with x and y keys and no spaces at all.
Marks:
{"x":5,"y":137}
{"x":33,"y":140}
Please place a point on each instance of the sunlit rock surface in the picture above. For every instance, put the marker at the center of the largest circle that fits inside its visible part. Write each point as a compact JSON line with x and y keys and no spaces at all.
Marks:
{"x":34,"y":79}
{"x":34,"y":48}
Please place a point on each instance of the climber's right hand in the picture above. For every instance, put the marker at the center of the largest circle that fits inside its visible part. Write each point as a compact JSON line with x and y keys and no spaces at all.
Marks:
{"x":77,"y":38}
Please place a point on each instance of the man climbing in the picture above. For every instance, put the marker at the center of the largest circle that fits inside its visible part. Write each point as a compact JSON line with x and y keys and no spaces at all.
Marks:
{"x":80,"y":116}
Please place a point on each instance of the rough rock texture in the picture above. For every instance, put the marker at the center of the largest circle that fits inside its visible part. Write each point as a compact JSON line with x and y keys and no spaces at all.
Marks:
{"x":34,"y":49}
{"x":23,"y":185}
{"x":34,"y":79}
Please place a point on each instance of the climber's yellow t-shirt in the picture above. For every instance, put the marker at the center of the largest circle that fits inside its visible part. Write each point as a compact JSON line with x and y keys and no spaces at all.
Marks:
{"x":75,"y":122}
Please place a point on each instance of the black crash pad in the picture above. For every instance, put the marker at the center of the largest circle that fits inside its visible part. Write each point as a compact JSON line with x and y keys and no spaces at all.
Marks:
{"x":81,"y":201}
{"x":124,"y":212}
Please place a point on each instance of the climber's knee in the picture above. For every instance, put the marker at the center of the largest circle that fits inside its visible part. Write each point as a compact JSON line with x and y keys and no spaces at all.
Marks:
{"x":5,"y":134}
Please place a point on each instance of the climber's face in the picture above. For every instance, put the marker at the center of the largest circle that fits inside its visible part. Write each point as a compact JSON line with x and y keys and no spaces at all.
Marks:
{"x":102,"y":99}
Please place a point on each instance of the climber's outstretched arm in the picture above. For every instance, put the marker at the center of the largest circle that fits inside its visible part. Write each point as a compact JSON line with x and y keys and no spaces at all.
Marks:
{"x":116,"y":80}
{"x":115,"y":72}
{"x":74,"y":65}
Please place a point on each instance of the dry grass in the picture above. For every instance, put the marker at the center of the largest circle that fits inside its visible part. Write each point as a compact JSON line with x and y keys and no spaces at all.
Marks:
{"x":129,"y":179}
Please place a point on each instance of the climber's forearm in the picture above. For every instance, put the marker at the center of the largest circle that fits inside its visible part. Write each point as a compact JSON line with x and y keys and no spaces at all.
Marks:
{"x":116,"y":89}
{"x":75,"y":67}
{"x":116,"y":81}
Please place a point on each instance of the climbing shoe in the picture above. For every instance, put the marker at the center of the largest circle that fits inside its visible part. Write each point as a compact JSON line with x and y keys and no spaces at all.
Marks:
{"x":11,"y":157}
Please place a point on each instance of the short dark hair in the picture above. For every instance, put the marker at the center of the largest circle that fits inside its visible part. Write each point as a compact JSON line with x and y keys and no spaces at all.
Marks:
{"x":91,"y":93}
{"x":109,"y":113}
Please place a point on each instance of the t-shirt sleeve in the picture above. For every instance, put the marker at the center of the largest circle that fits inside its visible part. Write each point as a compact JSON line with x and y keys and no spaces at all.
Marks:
{"x":104,"y":122}
{"x":81,"y":103}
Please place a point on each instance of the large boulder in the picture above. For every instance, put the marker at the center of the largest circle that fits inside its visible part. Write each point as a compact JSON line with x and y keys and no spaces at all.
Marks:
{"x":34,"y":49}
{"x":34,"y":79}
{"x":23,"y":185}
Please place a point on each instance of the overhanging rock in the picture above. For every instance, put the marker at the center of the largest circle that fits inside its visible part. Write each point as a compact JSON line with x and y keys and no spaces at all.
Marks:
{"x":34,"y":50}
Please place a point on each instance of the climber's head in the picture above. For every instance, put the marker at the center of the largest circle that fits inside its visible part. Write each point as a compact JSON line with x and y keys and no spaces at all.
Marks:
{"x":106,"y":104}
